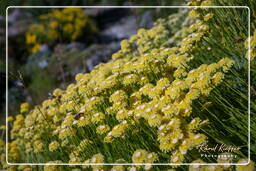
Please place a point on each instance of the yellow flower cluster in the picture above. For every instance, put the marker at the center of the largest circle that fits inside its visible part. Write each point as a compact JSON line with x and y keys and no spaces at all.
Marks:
{"x":225,"y":159}
{"x":245,"y":167}
{"x":164,"y":103}
{"x":200,"y":2}
{"x":142,"y":156}
{"x":252,"y":51}
{"x":24,"y":108}
{"x":50,"y":167}
{"x":147,"y":85}
{"x":14,"y":154}
{"x":2,"y":154}
{"x":53,"y":145}
{"x":96,"y":159}
{"x":64,"y":25}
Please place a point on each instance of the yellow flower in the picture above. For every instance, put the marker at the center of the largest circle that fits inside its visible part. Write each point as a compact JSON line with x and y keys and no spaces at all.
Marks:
{"x":208,"y":16}
{"x":118,"y":168}
{"x":109,"y":138}
{"x":123,"y":114}
{"x":75,"y":35}
{"x":57,"y":92}
{"x":217,"y":78}
{"x":30,"y":38}
{"x":193,"y":14}
{"x":79,"y":77}
{"x":196,"y":167}
{"x":50,"y":167}
{"x":97,"y":158}
{"x":251,"y":51}
{"x":139,"y":156}
{"x":68,"y":28}
{"x":212,"y":168}
{"x":148,"y":167}
{"x":67,"y":132}
{"x":206,"y":3}
{"x":151,"y":157}
{"x":97,"y":117}
{"x":86,"y":162}
{"x":102,"y":129}
{"x":3,"y":127}
{"x":38,"y":146}
{"x":155,"y":120}
{"x":180,"y":72}
{"x":54,"y":146}
{"x":25,"y":168}
{"x":119,"y":129}
{"x":53,"y":24}
{"x":24,"y":108}
{"x":118,"y":96}
{"x":130,"y":79}
{"x":10,"y":118}
{"x":83,"y":144}
{"x":225,"y":159}
{"x":176,"y":157}
{"x":36,"y":48}
{"x":248,"y":167}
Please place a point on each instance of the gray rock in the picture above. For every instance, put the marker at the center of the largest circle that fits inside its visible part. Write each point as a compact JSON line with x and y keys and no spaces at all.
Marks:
{"x":76,"y":70}
{"x":18,"y":28}
{"x":146,"y":20}
{"x":128,"y":26}
{"x":100,"y":53}
{"x":17,"y":15}
{"x":75,"y":45}
{"x":19,"y":83}
{"x":18,"y":22}
{"x":44,"y":48}
{"x":43,"y":64}
{"x":91,"y":62}
{"x":123,"y":29}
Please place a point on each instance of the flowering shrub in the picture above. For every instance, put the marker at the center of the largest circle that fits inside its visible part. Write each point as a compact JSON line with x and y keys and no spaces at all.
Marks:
{"x":65,"y":25}
{"x":143,"y":106}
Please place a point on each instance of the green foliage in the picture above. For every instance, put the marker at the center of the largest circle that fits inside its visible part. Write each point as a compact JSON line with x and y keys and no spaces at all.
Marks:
{"x":42,"y":81}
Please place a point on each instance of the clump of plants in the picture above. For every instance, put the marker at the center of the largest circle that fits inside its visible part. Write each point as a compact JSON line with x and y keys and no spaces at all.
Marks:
{"x":168,"y":90}
{"x":60,"y":26}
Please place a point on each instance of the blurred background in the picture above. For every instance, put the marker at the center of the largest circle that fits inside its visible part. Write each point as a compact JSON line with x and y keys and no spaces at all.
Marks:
{"x":47,"y":47}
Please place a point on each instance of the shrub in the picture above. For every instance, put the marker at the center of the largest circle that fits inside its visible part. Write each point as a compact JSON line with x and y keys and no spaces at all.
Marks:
{"x":59,"y":26}
{"x":168,"y":90}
